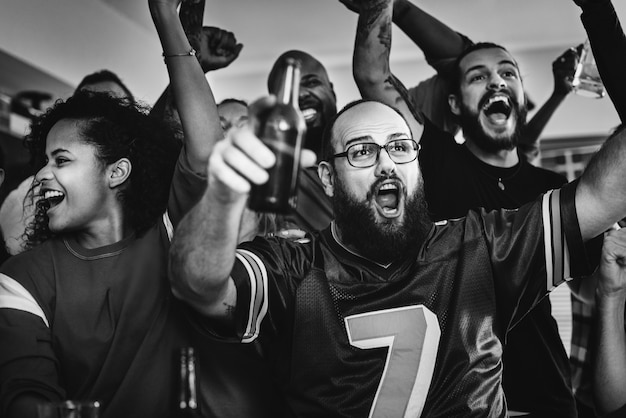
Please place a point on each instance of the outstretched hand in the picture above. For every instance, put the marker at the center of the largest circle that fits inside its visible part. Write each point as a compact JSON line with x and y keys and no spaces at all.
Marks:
{"x":242,"y":159}
{"x":218,"y":48}
{"x":563,"y":69}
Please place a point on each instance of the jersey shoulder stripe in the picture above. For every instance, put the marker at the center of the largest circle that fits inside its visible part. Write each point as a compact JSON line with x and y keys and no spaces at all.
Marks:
{"x":556,"y":251}
{"x":258,"y":281}
{"x":167,"y":222}
{"x":14,"y":296}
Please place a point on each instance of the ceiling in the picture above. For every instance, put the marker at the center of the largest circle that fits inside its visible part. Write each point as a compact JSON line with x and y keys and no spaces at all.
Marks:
{"x":63,"y":40}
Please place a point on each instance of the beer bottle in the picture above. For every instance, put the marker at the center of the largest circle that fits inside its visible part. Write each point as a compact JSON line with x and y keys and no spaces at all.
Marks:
{"x":282,"y":129}
{"x":187,"y":399}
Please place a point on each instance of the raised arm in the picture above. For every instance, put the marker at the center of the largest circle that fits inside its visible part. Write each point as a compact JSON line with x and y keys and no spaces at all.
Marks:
{"x":436,"y":39}
{"x":608,"y":44}
{"x":610,"y":352}
{"x":215,"y":49}
{"x":563,"y":69}
{"x":192,"y":94}
{"x":601,"y":192}
{"x":202,"y":254}
{"x":371,"y":62}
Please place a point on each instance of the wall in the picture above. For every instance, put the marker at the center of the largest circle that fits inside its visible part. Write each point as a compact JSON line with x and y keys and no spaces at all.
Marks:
{"x":70,"y":38}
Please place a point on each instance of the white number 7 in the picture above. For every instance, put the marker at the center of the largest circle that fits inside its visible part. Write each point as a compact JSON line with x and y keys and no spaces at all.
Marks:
{"x":412,"y":335}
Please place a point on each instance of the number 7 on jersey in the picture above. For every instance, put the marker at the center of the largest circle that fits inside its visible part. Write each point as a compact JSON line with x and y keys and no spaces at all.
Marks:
{"x":412,"y":336}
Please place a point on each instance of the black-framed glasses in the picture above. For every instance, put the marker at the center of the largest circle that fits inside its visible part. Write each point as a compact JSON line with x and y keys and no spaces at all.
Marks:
{"x":365,"y":154}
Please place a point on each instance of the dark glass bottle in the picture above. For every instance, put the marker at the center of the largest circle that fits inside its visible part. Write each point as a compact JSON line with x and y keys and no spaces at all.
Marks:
{"x":282,"y":129}
{"x":187,"y":399}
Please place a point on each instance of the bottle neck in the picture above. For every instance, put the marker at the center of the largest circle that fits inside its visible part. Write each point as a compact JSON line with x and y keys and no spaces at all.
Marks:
{"x":290,"y":88}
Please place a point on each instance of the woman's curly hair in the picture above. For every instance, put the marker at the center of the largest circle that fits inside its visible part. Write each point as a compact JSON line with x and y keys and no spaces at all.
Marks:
{"x":117,"y":128}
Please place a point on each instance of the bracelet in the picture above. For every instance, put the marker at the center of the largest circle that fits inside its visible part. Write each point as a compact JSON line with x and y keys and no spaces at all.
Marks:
{"x":190,"y":53}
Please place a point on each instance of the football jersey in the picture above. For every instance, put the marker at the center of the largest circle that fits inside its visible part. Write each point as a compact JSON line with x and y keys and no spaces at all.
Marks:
{"x":421,"y":336}
{"x":536,"y":369}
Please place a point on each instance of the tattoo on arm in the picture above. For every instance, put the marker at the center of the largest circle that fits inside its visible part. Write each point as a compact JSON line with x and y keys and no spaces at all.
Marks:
{"x":369,"y":15}
{"x":384,"y":35}
{"x":404,"y":96}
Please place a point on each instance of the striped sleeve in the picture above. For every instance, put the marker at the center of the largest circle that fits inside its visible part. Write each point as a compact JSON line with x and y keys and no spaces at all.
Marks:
{"x":14,"y":296}
{"x":555,"y":242}
{"x":255,"y":301}
{"x":567,"y":256}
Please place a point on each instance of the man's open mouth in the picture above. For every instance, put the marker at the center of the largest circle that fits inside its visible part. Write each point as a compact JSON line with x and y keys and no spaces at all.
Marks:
{"x":309,"y":114}
{"x":498,"y":108}
{"x":388,"y":197}
{"x":310,"y":108}
{"x":53,"y":197}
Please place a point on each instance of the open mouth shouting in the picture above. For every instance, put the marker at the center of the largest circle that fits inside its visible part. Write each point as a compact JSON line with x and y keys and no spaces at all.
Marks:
{"x":389,"y":196}
{"x":311,"y":110}
{"x":52,"y":197}
{"x":497,"y":109}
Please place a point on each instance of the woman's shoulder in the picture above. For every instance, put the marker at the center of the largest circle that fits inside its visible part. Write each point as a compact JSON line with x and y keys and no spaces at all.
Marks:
{"x":38,"y":258}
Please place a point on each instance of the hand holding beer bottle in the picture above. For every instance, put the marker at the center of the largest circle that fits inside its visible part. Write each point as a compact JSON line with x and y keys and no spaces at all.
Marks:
{"x":282,"y":129}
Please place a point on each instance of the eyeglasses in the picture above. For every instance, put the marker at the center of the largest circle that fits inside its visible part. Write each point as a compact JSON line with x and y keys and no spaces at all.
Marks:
{"x":365,"y":154}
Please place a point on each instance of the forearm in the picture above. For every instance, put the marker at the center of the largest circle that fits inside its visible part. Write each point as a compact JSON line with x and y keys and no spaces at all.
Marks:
{"x":608,"y":44}
{"x":28,"y":363}
{"x":371,"y":63}
{"x":610,"y":362}
{"x":371,"y":50}
{"x":600,"y":194}
{"x":436,"y":39}
{"x":192,"y":94}
{"x":529,"y":138}
{"x":202,"y":254}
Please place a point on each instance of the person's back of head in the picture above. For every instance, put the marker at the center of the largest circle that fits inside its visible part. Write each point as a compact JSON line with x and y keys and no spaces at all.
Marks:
{"x":117,"y":129}
{"x":105,"y":81}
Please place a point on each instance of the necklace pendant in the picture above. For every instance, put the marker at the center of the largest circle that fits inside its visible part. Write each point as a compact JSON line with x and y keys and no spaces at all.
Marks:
{"x":500,"y":184}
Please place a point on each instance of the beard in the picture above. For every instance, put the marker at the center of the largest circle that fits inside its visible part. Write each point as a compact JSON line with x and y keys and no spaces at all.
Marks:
{"x":474,"y":131}
{"x":381,"y":240}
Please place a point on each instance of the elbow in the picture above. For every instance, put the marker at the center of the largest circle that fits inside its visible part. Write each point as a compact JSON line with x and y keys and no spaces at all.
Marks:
{"x":366,"y":77}
{"x":205,"y":294}
{"x":371,"y":78}
{"x":190,"y":277}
